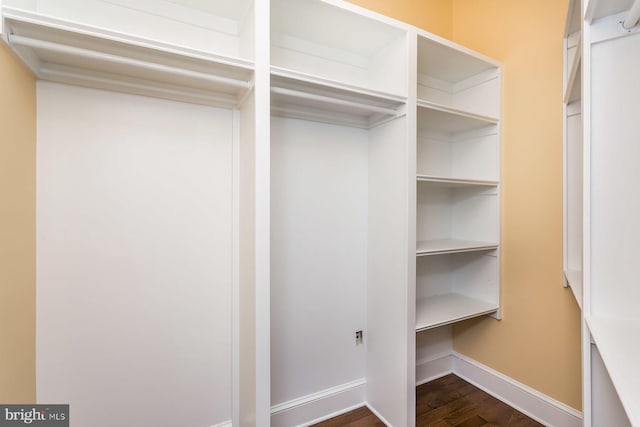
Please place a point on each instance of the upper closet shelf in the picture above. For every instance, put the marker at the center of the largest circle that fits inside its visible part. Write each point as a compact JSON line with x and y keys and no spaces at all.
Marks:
{"x":448,"y":246}
{"x":619,"y":347}
{"x":67,"y":52}
{"x":330,"y":102}
{"x":434,"y":117}
{"x":358,"y":48}
{"x":596,"y":9}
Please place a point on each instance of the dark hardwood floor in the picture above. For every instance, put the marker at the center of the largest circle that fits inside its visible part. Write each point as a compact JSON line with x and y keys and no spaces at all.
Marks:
{"x":446,"y":402}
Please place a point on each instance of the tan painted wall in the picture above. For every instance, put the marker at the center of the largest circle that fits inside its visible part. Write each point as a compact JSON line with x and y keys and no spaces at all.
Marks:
{"x":538,"y":340}
{"x":17,"y":231}
{"x":432,"y":15}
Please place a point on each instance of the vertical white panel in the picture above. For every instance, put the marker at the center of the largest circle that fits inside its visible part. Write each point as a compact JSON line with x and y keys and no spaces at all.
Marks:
{"x":607,"y":409}
{"x":245,"y":392}
{"x":133,"y":258}
{"x":318,"y":256}
{"x":387,"y":300}
{"x":262,"y":232}
{"x":615,"y":205}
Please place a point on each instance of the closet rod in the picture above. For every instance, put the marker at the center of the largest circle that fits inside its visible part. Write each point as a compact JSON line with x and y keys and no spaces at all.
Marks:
{"x":334,"y":101}
{"x":633,"y":16}
{"x":90,"y":54}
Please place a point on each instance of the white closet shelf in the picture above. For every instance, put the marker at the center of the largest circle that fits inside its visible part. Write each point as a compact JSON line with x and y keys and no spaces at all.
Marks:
{"x":450,"y":62}
{"x":305,"y":97}
{"x":574,"y":79}
{"x":596,"y":9}
{"x":455,"y":182}
{"x":619,"y":347}
{"x":574,"y":279}
{"x":448,"y":246}
{"x":71,"y":53}
{"x":439,"y":118}
{"x":573,"y":18}
{"x":444,"y":309}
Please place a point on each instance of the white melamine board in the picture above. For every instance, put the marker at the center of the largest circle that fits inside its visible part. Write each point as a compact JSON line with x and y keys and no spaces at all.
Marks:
{"x":456,"y":77}
{"x":442,"y":119}
{"x":574,"y":190}
{"x":574,"y":17}
{"x":455,"y":182}
{"x":319,"y":191}
{"x":434,"y":343}
{"x":244,"y":398}
{"x":615,"y":206}
{"x":219,"y":26}
{"x":615,"y":375}
{"x":596,"y":9}
{"x":307,"y":99}
{"x":573,"y":88}
{"x":388,"y":334}
{"x":443,"y":309}
{"x":85,"y":56}
{"x":134,"y":257}
{"x":472,"y":274}
{"x":471,"y":156}
{"x":357,"y":50}
{"x":574,"y":279}
{"x":447,"y":61}
{"x":441,"y":246}
{"x":460,"y":213}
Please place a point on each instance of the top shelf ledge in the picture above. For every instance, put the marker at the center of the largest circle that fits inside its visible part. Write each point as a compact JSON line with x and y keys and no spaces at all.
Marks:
{"x":71,"y":53}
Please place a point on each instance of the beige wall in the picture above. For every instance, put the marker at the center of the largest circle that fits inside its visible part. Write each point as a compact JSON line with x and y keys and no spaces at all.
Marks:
{"x":538,"y":340}
{"x":17,"y":231}
{"x":432,"y":15}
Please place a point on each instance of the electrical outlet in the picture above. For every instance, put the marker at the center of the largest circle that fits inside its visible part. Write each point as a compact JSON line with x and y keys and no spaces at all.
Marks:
{"x":358,"y":337}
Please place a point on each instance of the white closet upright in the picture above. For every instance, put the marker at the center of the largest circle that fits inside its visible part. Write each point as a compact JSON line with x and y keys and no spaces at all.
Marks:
{"x":230,"y":191}
{"x":606,"y":159}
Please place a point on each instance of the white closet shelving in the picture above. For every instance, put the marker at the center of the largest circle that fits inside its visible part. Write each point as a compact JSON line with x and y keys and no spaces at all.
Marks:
{"x":458,"y":176}
{"x":601,"y":228}
{"x":358,"y":188}
{"x":573,"y":151}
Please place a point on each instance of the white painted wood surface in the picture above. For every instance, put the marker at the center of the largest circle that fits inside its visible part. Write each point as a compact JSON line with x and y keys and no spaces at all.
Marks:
{"x":439,"y":310}
{"x":319,"y":233}
{"x":133,"y":258}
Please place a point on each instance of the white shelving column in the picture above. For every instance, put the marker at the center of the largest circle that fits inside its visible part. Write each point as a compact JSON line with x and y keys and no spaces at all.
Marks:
{"x":340,"y":133}
{"x":611,"y":63}
{"x":458,"y":184}
{"x":150,"y":293}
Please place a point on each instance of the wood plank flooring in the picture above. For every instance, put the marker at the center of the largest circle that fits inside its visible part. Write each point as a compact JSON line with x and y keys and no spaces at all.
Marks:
{"x":446,"y":402}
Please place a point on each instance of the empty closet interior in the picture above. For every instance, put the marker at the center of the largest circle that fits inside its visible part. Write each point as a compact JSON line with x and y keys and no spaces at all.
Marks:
{"x":283,"y":221}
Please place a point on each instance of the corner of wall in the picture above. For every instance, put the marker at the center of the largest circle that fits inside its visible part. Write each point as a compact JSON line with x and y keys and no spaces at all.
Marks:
{"x":538,"y":340}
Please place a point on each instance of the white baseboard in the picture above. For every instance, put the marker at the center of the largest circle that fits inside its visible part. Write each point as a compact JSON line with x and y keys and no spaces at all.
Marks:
{"x":525,"y":399}
{"x":429,"y":370}
{"x":223,"y":424}
{"x":320,"y":406}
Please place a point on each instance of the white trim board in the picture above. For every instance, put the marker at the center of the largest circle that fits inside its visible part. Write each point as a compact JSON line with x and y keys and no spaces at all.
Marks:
{"x":525,"y":399}
{"x":316,"y":407}
{"x":224,"y":424}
